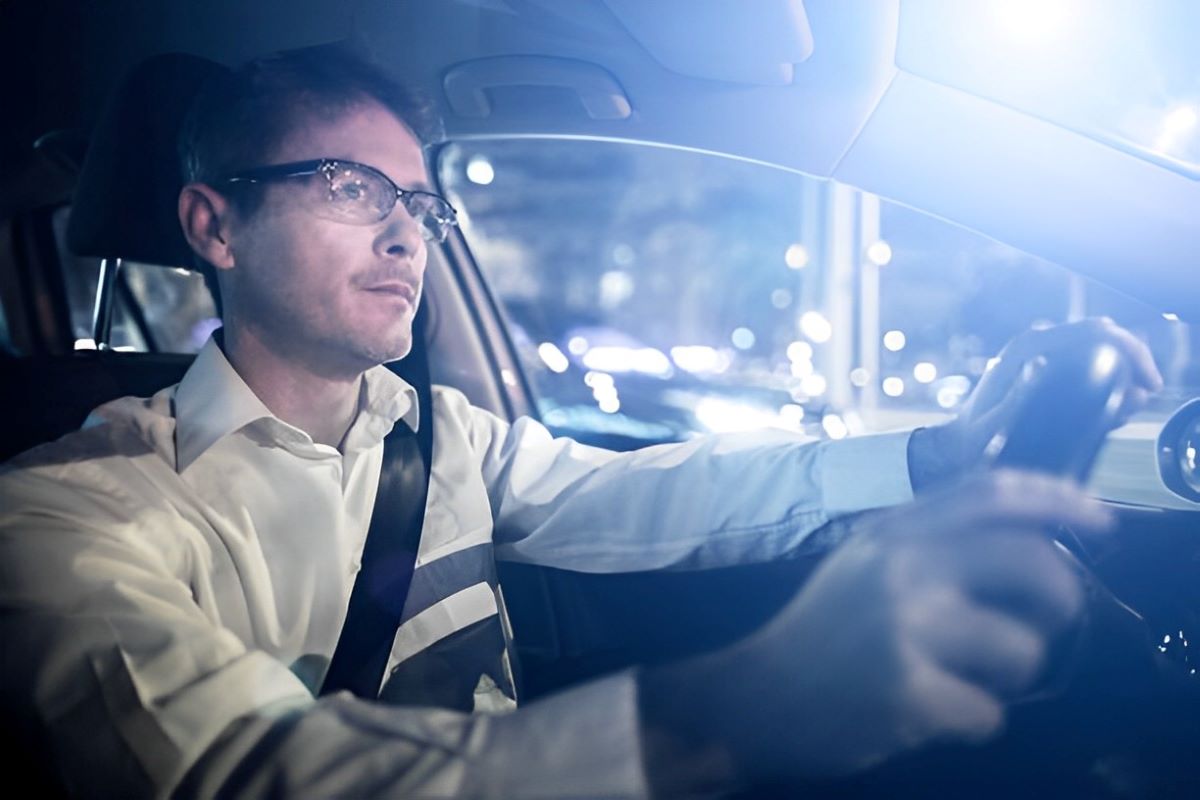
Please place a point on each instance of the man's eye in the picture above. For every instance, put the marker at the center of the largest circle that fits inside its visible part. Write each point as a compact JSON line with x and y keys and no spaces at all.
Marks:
{"x":350,"y":192}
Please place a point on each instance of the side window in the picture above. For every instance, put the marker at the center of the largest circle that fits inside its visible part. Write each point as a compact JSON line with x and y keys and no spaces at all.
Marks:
{"x":157,"y":309}
{"x":656,"y":294}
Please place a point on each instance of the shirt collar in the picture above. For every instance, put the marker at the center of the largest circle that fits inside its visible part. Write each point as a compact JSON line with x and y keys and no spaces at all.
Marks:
{"x":212,"y":402}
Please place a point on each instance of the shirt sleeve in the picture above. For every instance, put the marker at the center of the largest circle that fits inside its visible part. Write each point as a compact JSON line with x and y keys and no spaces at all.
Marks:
{"x":712,"y":501}
{"x":112,"y":667}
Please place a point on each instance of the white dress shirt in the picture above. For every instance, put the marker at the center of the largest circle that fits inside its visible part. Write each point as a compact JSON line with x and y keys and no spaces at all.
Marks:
{"x":174,"y":577}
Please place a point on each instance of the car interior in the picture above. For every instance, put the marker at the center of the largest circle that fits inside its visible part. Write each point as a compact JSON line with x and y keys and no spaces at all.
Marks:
{"x":900,"y":99}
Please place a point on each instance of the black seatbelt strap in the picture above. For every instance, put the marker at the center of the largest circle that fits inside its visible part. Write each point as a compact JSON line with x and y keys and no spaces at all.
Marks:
{"x":390,"y":553}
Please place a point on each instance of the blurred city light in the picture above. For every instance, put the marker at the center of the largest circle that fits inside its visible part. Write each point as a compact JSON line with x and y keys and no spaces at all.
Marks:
{"x":725,"y":416}
{"x":1169,"y":317}
{"x":879,"y":253}
{"x":799,"y":351}
{"x":577,"y":345}
{"x":615,"y":288}
{"x":781,"y":298}
{"x":894,"y":341}
{"x":596,"y":379}
{"x":796,"y":256}
{"x":815,"y":326}
{"x":802,"y":369}
{"x":480,"y":171}
{"x":792,"y":416}
{"x":859,"y":377}
{"x":925,"y":372}
{"x":552,"y":357}
{"x":742,"y":338}
{"x":893,"y":387}
{"x":623,"y":255}
{"x":835,"y":426}
{"x":699,"y":358}
{"x":814,"y":385}
{"x":951,"y":390}
{"x":609,"y":404}
{"x":646,"y":360}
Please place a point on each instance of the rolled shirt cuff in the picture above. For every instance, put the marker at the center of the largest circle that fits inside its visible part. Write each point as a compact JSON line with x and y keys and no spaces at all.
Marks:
{"x":865,"y":472}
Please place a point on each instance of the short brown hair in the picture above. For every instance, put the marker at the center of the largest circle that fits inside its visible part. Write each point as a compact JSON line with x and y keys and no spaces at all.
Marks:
{"x":241,"y":116}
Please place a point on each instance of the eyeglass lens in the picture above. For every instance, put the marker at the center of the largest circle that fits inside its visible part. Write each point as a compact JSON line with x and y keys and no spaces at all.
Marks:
{"x":362,"y":196}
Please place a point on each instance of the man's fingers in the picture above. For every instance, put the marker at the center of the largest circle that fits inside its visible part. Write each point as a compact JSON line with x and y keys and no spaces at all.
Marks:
{"x":978,"y":644}
{"x":1023,"y":575}
{"x":1145,"y":371}
{"x":1141,"y":359}
{"x":1001,"y":498}
{"x":948,"y":707}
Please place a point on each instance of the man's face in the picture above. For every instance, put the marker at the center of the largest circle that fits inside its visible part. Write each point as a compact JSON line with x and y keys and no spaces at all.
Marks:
{"x":335,"y":296}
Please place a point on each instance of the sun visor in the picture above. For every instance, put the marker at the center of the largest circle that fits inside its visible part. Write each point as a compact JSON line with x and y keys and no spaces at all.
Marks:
{"x":718,"y":39}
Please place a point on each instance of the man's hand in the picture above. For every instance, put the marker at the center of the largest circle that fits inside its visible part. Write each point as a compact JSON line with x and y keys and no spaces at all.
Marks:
{"x":919,"y":629}
{"x":945,"y":451}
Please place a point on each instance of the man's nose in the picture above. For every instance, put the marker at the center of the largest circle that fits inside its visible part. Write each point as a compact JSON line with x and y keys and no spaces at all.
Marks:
{"x":401,"y":234}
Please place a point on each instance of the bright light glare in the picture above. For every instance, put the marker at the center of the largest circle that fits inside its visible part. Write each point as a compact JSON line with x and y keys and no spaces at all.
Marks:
{"x":1169,"y":317}
{"x":835,"y":426}
{"x":894,"y":341}
{"x":742,"y":338}
{"x":553,"y":357}
{"x":802,"y":369}
{"x":1179,"y":121}
{"x":893,"y":387}
{"x":799,"y":351}
{"x":615,"y":288}
{"x":1035,"y":22}
{"x":724,"y":416}
{"x":577,"y":345}
{"x":791,"y":415}
{"x":598,"y":379}
{"x":628,"y":359}
{"x":814,"y":385}
{"x":480,"y":171}
{"x":699,"y":358}
{"x":952,"y":389}
{"x":879,"y":253}
{"x":796,"y":256}
{"x":814,"y":325}
{"x":1104,"y":362}
{"x":85,"y":344}
{"x":925,"y":372}
{"x":609,"y":404}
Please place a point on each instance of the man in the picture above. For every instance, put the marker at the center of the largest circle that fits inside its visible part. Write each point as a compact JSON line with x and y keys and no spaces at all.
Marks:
{"x":177,"y":574}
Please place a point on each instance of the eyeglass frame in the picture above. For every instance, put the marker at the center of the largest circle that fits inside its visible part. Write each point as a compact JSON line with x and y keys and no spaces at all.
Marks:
{"x":327,"y":167}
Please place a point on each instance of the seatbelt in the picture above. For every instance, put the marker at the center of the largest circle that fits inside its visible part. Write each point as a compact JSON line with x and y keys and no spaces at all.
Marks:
{"x":390,"y":553}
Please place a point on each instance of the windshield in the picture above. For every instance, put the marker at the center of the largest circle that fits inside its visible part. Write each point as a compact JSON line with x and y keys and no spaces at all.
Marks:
{"x":656,"y":294}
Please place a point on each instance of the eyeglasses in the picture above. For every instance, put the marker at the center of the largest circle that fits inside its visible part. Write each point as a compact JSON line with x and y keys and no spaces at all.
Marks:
{"x":357,"y":194}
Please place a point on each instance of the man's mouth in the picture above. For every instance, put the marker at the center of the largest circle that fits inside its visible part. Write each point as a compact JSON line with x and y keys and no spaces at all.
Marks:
{"x":396,"y":289}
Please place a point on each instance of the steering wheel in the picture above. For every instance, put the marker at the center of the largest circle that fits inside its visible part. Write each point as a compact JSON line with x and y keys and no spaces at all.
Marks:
{"x":1069,"y":404}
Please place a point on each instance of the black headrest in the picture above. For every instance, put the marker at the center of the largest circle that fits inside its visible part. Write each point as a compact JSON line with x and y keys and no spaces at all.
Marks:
{"x":125,"y":201}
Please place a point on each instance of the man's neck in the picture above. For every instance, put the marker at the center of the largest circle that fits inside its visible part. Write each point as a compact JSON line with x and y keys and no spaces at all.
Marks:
{"x":323,"y":405}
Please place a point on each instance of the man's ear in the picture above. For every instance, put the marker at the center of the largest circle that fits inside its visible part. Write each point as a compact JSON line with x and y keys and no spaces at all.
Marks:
{"x":204,"y":216}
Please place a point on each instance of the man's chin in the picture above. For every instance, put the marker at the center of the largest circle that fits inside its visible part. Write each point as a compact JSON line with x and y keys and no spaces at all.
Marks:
{"x":378,"y":354}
